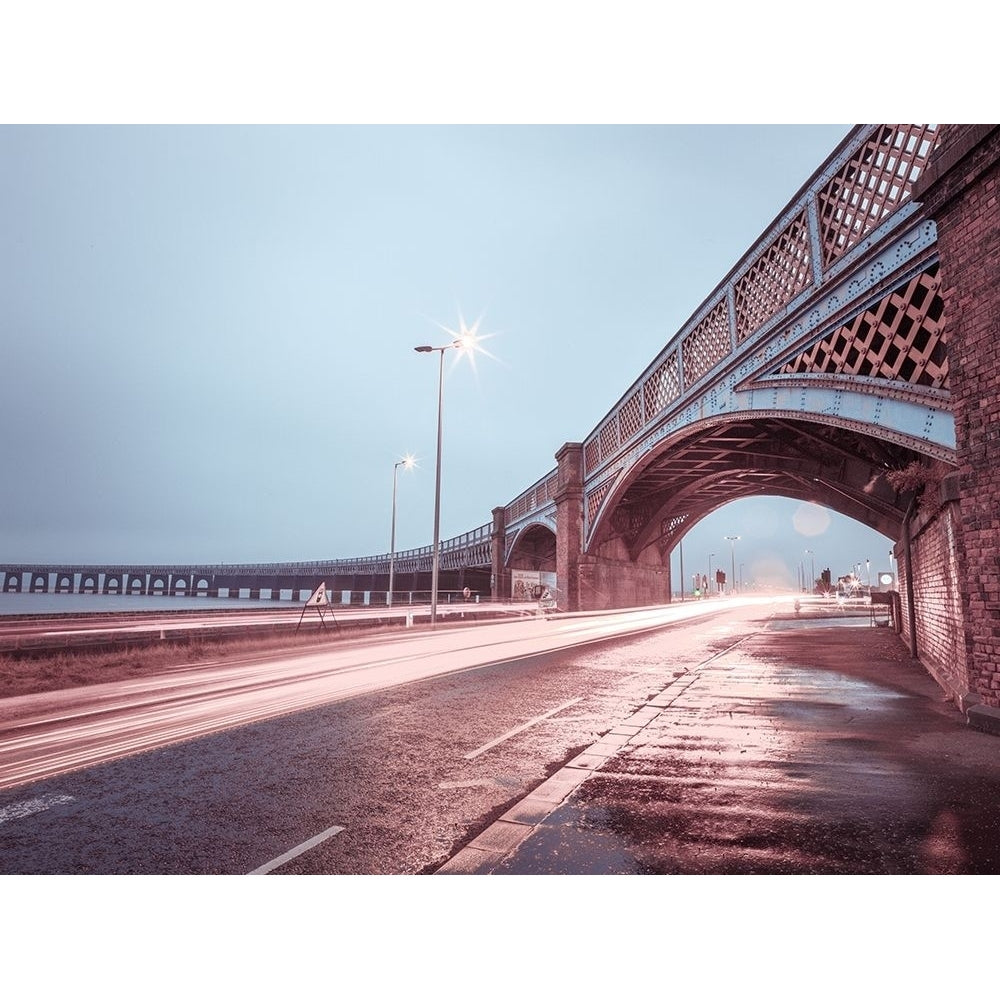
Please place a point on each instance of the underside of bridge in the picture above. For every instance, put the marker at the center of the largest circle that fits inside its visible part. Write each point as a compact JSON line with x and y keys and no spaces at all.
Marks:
{"x":534,"y":549}
{"x":710,"y":466}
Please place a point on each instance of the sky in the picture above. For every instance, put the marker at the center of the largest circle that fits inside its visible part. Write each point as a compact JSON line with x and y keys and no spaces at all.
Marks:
{"x":208,"y":331}
{"x":223,"y":232}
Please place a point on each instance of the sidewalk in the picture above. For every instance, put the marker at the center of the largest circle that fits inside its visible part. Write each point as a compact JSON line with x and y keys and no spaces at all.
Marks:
{"x":809,"y":748}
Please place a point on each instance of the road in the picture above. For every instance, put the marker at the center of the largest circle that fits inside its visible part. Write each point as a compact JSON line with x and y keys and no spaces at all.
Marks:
{"x":366,"y":757}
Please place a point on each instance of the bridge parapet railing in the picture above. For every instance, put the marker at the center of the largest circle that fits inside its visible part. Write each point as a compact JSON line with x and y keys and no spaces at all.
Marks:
{"x":472,"y":548}
{"x":539,"y":495}
{"x":861,"y":193}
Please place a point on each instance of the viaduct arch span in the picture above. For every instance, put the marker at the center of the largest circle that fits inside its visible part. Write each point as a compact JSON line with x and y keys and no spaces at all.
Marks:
{"x":851,"y":358}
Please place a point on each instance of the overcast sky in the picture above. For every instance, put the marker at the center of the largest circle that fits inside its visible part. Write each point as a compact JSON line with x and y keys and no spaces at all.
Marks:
{"x":208,"y":331}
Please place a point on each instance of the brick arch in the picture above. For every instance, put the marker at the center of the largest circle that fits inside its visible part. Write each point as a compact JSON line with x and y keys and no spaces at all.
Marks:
{"x":838,"y":463}
{"x":533,"y":547}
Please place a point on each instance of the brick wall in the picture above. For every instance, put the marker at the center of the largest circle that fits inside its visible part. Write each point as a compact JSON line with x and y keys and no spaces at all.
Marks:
{"x":961,"y":190}
{"x":938,"y":595}
{"x":611,"y":583}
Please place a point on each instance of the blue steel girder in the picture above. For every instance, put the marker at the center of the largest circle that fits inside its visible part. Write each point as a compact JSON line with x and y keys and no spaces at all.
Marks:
{"x":833,"y":319}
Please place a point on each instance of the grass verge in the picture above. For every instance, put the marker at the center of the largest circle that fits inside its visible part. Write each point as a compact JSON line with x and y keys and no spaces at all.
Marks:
{"x":21,"y":675}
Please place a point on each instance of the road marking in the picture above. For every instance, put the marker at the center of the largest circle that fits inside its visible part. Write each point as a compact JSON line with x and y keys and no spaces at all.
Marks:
{"x":296,"y":851}
{"x":519,"y":729}
{"x":29,"y":806}
{"x":477,"y":783}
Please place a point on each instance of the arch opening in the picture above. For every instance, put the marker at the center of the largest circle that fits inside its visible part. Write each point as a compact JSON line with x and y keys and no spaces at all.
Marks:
{"x":532,"y":562}
{"x":688,"y":478}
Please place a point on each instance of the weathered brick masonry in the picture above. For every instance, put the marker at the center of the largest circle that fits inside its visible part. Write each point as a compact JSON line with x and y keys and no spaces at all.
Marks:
{"x":960,"y":189}
{"x":936,"y":627}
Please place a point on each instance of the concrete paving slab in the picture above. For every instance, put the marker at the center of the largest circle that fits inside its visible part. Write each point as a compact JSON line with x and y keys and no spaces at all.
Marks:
{"x":501,"y":837}
{"x":590,"y":761}
{"x":471,"y":861}
{"x":561,"y":784}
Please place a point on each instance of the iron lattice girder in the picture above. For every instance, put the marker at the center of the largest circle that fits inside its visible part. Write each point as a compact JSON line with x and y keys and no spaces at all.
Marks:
{"x":818,"y":463}
{"x":847,"y":321}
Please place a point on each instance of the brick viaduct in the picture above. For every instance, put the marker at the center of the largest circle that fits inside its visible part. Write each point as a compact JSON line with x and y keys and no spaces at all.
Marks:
{"x":850,"y":358}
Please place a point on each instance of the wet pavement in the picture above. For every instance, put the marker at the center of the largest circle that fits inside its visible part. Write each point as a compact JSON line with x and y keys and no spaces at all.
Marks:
{"x":809,"y":747}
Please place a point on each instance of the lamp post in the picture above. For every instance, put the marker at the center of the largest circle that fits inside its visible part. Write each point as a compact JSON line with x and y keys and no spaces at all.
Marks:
{"x":732,"y":539}
{"x":465,"y":342}
{"x":408,"y":462}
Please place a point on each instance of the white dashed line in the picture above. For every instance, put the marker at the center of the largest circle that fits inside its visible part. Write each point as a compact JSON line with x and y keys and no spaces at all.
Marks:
{"x":296,"y":851}
{"x":519,"y":729}
{"x":19,"y":810}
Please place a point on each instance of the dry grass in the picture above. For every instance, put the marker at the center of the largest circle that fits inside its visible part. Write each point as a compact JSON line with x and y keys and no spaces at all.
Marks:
{"x":20,"y":675}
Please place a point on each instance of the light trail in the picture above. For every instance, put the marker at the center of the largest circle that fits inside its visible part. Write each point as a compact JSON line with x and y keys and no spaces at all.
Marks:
{"x":48,"y":734}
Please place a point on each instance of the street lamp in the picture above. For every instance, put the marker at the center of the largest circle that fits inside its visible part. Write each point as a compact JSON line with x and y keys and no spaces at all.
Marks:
{"x":732,"y":539}
{"x":408,"y":462}
{"x":465,"y":342}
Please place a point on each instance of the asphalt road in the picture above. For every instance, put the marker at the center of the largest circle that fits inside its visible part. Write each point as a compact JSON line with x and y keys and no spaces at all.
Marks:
{"x":371,"y":758}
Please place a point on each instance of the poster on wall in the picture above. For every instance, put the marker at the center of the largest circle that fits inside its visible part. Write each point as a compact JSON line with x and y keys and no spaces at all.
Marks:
{"x":524,"y":581}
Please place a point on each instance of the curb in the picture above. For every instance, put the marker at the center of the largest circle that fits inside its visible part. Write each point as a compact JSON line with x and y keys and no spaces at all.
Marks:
{"x":984,"y":718}
{"x":484,"y":854}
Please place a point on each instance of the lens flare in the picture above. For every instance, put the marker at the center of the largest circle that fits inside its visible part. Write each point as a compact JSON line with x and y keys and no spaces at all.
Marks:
{"x":468,"y":340}
{"x":810,"y":520}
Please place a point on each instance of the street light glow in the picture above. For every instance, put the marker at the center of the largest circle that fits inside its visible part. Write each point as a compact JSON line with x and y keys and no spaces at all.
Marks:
{"x":467,"y":340}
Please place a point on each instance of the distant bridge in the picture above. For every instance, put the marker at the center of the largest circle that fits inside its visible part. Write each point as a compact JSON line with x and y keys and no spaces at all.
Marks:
{"x":822,"y":367}
{"x":465,"y":562}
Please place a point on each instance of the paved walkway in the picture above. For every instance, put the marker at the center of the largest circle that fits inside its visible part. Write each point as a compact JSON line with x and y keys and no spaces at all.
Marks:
{"x":807,"y":748}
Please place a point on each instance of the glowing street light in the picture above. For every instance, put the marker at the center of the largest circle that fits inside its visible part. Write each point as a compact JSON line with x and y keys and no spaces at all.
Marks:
{"x":465,"y":342}
{"x":408,"y":462}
